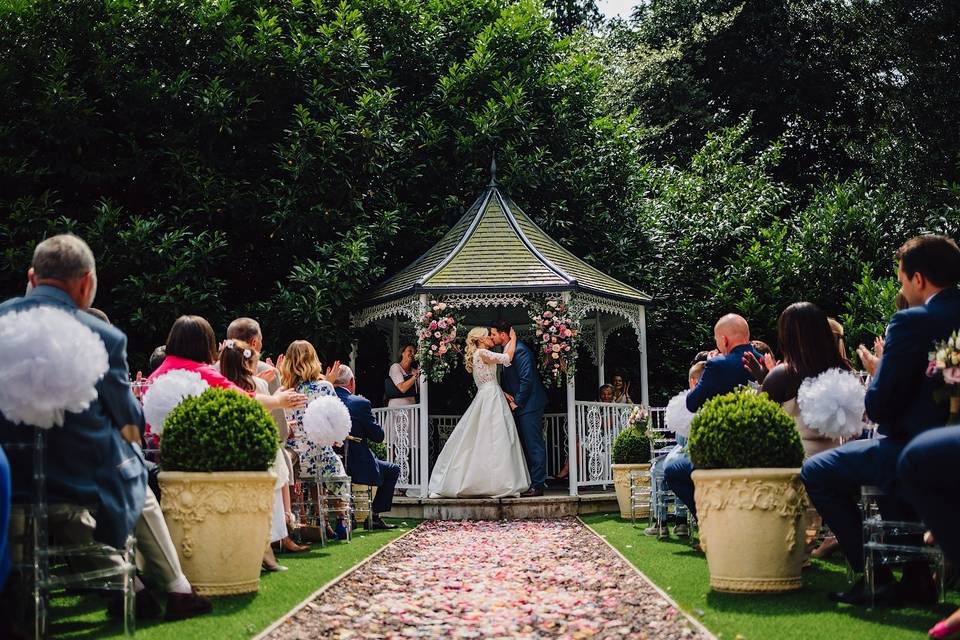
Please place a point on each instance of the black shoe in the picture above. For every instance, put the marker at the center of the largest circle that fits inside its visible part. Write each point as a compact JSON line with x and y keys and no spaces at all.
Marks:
{"x":186,"y":605}
{"x":146,"y":606}
{"x":532,"y":492}
{"x":885,"y":595}
{"x":379,"y":524}
{"x":918,"y":591}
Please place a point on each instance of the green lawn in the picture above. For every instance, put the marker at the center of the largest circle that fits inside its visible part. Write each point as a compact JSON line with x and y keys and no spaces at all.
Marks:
{"x":237,"y":616}
{"x":682,"y":572}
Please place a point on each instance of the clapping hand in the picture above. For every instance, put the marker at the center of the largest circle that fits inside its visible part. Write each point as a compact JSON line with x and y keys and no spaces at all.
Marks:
{"x":269,"y":374}
{"x":332,"y":371}
{"x":869,"y":360}
{"x":290,"y":399}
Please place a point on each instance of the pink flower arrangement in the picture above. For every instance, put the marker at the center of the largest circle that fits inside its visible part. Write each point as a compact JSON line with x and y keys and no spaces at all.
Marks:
{"x":556,"y":329}
{"x":439,"y":349}
{"x":945,"y":362}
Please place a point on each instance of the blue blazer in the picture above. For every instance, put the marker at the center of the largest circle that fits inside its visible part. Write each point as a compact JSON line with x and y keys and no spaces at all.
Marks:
{"x":362,"y":466}
{"x":722,"y":375}
{"x":522,"y":381}
{"x":88,"y":461}
{"x":900,"y":398}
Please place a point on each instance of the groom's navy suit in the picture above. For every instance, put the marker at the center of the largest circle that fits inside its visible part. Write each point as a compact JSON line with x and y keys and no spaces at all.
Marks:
{"x":900,"y":400}
{"x":522,"y":382}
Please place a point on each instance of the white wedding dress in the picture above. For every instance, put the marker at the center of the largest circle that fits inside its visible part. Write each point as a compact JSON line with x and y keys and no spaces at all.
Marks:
{"x":483,"y":457}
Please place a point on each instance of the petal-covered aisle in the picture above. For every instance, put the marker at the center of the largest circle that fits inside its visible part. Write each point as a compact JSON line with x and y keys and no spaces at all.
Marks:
{"x":508,"y":579}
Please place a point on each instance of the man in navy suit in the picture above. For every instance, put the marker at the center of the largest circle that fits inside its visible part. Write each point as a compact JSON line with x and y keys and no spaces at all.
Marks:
{"x":901,"y":401}
{"x":362,"y":466}
{"x":96,"y":479}
{"x":527,"y":399}
{"x":722,"y":374}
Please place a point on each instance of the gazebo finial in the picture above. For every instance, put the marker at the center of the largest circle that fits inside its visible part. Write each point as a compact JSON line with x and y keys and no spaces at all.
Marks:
{"x":493,"y":172}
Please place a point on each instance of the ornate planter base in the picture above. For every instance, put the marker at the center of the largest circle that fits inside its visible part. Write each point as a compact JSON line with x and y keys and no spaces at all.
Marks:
{"x":621,"y":483}
{"x":752,"y":524}
{"x":219,"y":523}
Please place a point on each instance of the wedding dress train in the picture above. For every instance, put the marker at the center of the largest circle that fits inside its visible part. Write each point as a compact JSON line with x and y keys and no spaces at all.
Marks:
{"x":483,"y":457}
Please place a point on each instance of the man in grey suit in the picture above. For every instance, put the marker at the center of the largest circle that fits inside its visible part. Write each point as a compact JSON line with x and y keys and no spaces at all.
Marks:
{"x":96,"y":478}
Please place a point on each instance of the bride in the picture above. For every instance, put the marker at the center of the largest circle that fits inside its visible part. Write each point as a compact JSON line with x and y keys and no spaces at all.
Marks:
{"x":483,"y":456}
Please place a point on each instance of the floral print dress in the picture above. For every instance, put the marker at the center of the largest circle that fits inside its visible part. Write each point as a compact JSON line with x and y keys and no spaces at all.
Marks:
{"x":316,"y":461}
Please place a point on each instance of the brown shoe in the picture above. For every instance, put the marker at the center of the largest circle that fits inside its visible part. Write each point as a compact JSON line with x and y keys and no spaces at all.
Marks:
{"x":186,"y":605}
{"x":290,"y":546}
{"x":532,"y":492}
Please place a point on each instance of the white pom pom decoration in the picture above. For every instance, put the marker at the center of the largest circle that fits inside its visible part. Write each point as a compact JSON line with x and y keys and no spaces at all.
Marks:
{"x":50,"y":363}
{"x":326,"y":420}
{"x":166,"y":392}
{"x":676,"y":417}
{"x":832,"y":403}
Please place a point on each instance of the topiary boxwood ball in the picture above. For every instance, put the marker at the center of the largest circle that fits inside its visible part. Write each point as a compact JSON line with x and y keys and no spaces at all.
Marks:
{"x":742,"y":430}
{"x":219,"y":430}
{"x":631,"y":447}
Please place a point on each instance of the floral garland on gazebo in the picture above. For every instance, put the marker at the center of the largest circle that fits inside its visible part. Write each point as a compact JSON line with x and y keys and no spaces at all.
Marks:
{"x":438,"y":350}
{"x":556,"y":330}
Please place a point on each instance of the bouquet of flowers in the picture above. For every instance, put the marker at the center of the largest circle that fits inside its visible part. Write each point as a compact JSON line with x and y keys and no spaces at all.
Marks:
{"x":639,"y":417}
{"x":438,"y":350}
{"x":945,"y":363}
{"x":556,"y":332}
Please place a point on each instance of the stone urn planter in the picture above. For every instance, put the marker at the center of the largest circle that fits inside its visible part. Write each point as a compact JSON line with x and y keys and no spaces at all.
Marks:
{"x":219,"y":523}
{"x":751,"y":504}
{"x":752,"y":525}
{"x":621,"y":484}
{"x":217,"y":493}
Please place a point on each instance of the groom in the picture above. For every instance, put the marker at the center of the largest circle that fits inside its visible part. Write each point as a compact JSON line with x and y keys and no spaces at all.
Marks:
{"x":527,"y":399}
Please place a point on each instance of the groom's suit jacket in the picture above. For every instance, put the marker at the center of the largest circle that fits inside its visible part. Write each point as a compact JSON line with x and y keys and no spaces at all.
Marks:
{"x":88,"y":461}
{"x":900,"y":398}
{"x":522,"y":381}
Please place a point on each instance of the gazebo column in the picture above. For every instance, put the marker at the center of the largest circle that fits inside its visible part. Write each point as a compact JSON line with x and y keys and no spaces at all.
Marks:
{"x":353,"y":356}
{"x":395,"y":338}
{"x":601,"y":373}
{"x":424,"y":430}
{"x":644,"y":372}
{"x":572,"y":462}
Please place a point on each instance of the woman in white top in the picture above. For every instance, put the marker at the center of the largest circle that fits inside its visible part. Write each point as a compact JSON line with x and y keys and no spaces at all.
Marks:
{"x":404,"y":376}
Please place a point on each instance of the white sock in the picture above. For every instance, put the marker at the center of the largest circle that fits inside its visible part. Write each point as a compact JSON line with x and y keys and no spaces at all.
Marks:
{"x":180,"y":585}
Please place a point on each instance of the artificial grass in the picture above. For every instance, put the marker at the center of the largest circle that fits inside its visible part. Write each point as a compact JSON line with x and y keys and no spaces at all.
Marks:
{"x":682,"y":572}
{"x":235,"y":616}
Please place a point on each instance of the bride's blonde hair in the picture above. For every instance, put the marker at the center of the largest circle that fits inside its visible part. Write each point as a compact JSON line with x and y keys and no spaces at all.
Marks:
{"x":473,"y":338}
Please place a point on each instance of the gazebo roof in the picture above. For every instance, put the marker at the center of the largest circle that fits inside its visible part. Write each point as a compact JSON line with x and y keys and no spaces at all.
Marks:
{"x":496,"y":248}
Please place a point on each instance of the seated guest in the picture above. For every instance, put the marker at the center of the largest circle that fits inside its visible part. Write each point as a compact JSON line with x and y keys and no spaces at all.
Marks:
{"x":89,"y":499}
{"x":604,"y":394}
{"x":401,"y":385}
{"x":900,"y":400}
{"x":722,"y":374}
{"x":362,"y":466}
{"x":302,"y":371}
{"x":192,"y":346}
{"x":693,"y":377}
{"x":809,"y":349}
{"x":157,"y":357}
{"x":621,"y":389}
{"x":931,"y":485}
{"x":248,"y":330}
{"x":4,"y":517}
{"x":238,"y":363}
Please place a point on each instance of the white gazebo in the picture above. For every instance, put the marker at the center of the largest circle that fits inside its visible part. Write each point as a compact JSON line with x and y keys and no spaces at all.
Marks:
{"x":489,"y":264}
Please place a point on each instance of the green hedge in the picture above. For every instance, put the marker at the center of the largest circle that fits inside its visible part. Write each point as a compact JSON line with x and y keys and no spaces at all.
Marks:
{"x":219,"y":430}
{"x":744,"y":430}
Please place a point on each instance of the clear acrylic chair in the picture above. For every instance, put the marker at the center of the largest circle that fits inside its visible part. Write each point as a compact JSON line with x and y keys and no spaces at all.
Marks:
{"x":663,"y":502}
{"x":316,"y":504}
{"x":33,"y":552}
{"x":891,"y":543}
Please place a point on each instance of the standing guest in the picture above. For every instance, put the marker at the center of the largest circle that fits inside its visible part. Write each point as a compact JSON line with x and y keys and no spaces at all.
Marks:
{"x":401,"y":385}
{"x":809,"y":348}
{"x":248,"y":330}
{"x":900,"y":399}
{"x":927,"y":472}
{"x":238,"y":363}
{"x":606,"y":393}
{"x":89,"y":498}
{"x":722,"y":374}
{"x":301,"y":370}
{"x":621,"y":389}
{"x":362,"y":466}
